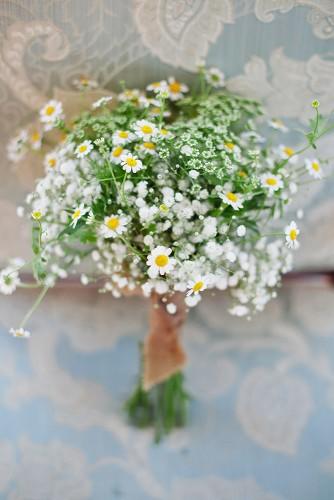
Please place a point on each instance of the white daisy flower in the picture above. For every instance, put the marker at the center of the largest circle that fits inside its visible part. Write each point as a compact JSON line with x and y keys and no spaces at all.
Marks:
{"x":232,"y":199}
{"x":37,"y":214}
{"x":78,"y":213}
{"x":116,"y":154}
{"x":197,"y":285}
{"x":277,"y":124}
{"x":313,"y":167}
{"x":129,"y":95}
{"x":113,"y":225}
{"x":145,"y":129}
{"x":17,"y":146}
{"x":287,"y":153}
{"x":9,"y":280}
{"x":148,"y":147}
{"x":159,"y":261}
{"x":101,"y":102}
{"x":51,"y":161}
{"x":157,"y":86}
{"x":176,"y":89}
{"x":121,"y":137}
{"x":84,"y":83}
{"x":20,"y":333}
{"x":35,"y":139}
{"x":83,"y":149}
{"x":271,"y":182}
{"x":291,"y":235}
{"x":230,"y":147}
{"x":131,"y":163}
{"x":215,"y":77}
{"x":50,"y":113}
{"x":164,"y":133}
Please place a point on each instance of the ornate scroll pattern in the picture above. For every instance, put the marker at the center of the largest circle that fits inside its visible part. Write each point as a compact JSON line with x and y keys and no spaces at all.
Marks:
{"x":321,"y":15}
{"x":287,"y":85}
{"x":180,"y":32}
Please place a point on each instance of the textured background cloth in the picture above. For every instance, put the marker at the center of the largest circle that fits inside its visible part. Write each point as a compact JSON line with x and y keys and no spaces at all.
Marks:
{"x":280,"y":51}
{"x":261,"y":422}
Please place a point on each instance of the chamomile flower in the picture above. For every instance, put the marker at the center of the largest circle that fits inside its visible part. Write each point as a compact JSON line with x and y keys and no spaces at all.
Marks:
{"x":176,"y":89}
{"x":287,"y":153}
{"x":164,"y":133}
{"x":9,"y":280}
{"x":215,"y":77}
{"x":159,"y":261}
{"x":77,"y":213}
{"x":116,"y":154}
{"x":232,"y":199}
{"x":131,"y":163}
{"x":20,"y":333}
{"x":121,"y":137}
{"x":103,"y":101}
{"x":291,"y":235}
{"x":50,"y":113}
{"x":113,"y":226}
{"x":85,"y":83}
{"x":37,"y":214}
{"x":157,"y":86}
{"x":148,"y":147}
{"x":271,"y":182}
{"x":129,"y":95}
{"x":51,"y":161}
{"x":277,"y":124}
{"x":144,"y":129}
{"x":35,"y":139}
{"x":17,"y":146}
{"x":84,"y":149}
{"x":313,"y":167}
{"x":197,"y":285}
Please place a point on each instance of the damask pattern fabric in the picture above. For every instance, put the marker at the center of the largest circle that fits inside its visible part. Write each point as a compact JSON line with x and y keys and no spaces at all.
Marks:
{"x":261,"y":421}
{"x":279,"y":51}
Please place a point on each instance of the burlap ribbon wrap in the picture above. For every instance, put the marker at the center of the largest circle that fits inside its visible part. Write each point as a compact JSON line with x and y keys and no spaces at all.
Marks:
{"x":163,"y":352}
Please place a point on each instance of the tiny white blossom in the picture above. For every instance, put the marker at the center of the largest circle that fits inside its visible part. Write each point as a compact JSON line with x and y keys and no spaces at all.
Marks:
{"x":241,"y":230}
{"x":20,"y":333}
{"x":171,"y":308}
{"x":101,"y":102}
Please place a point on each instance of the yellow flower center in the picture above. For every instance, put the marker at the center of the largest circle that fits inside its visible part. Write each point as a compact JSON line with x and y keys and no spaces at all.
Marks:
{"x":271,"y":181}
{"x":113,"y":223}
{"x":175,"y":87}
{"x":293,"y":234}
{"x":52,"y":162}
{"x":132,"y":162}
{"x":242,"y":173}
{"x":146,"y":129}
{"x":117,"y":152}
{"x":123,"y":134}
{"x":35,"y":136}
{"x":19,"y":334}
{"x":315,"y":166}
{"x":230,"y":145}
{"x":161,"y":260}
{"x":155,"y":84}
{"x":37,"y":214}
{"x":198,"y":286}
{"x":288,"y":151}
{"x":76,"y":214}
{"x":84,"y":81}
{"x":82,"y":148}
{"x":232,"y":197}
{"x":50,"y":110}
{"x":163,"y":208}
{"x":163,"y":131}
{"x":149,"y":145}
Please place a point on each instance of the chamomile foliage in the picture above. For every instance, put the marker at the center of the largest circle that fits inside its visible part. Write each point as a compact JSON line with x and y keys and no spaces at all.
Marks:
{"x":168,"y":192}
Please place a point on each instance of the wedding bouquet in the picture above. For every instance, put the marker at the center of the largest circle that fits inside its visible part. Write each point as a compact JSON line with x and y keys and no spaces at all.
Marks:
{"x":165,"y":194}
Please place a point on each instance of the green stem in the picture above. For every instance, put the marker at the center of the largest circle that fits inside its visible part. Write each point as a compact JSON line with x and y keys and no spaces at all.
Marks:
{"x":34,"y":306}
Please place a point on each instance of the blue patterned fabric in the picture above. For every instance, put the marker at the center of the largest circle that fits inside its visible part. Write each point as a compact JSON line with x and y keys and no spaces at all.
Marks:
{"x":261,"y":421}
